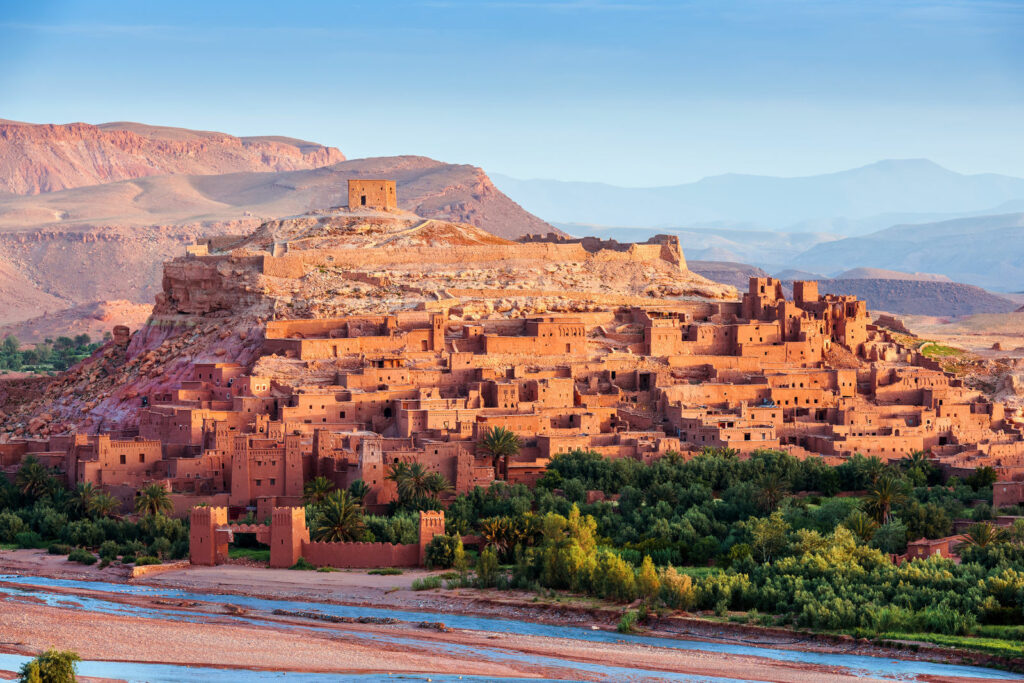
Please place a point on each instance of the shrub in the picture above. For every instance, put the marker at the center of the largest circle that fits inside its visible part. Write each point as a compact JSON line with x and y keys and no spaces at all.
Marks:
{"x":386,"y":571}
{"x":627,"y":624}
{"x":677,"y":589}
{"x":160,"y":547}
{"x":81,"y":556}
{"x":144,"y":560}
{"x":108,"y":551}
{"x":127,"y":559}
{"x":29,"y":539}
{"x":10,"y":526}
{"x":487,"y":568}
{"x":59,"y":549}
{"x":53,"y":666}
{"x":426,"y":583}
{"x":440,"y":553}
{"x":302,"y":564}
{"x":647,"y":582}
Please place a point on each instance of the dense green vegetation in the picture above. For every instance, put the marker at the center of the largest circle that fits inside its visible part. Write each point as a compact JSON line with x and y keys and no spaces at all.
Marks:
{"x":50,"y":356}
{"x":37,"y":511}
{"x":773,"y":536}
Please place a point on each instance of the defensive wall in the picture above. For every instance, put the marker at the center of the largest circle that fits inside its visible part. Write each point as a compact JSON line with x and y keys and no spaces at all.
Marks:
{"x":210,"y":535}
{"x":292,"y":264}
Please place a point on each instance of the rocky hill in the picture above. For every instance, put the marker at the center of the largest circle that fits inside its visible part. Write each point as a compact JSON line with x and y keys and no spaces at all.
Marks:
{"x":214,"y":302}
{"x":727,"y":272}
{"x":107,"y":242}
{"x":38,"y":158}
{"x":94,"y":319}
{"x":920,"y":297}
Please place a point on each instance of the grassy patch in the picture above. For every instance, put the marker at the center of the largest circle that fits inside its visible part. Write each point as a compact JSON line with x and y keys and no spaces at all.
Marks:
{"x":326,"y":570}
{"x":8,"y":546}
{"x":386,"y":571}
{"x":254,"y":554}
{"x":426,"y":583}
{"x":933,"y":350}
{"x":992,"y":646}
{"x":698,"y":572}
{"x":303,"y":565}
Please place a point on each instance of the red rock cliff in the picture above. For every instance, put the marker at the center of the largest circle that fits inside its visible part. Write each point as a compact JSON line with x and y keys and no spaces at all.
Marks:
{"x":48,"y":157}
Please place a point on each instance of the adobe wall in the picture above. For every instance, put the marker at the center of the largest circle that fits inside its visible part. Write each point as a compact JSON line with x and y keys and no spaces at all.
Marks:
{"x":362,"y":555}
{"x":384,"y":256}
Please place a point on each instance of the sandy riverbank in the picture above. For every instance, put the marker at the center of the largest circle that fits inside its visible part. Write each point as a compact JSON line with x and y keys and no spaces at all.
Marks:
{"x":279,"y":645}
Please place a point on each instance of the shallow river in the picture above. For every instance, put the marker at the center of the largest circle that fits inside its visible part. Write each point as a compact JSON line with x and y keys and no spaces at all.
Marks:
{"x":36,"y":586}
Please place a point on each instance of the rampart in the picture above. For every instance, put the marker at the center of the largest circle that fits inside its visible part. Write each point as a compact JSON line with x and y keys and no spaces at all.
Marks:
{"x":289,"y":264}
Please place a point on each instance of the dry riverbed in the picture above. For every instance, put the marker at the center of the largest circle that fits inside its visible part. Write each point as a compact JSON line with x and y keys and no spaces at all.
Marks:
{"x":211,"y":634}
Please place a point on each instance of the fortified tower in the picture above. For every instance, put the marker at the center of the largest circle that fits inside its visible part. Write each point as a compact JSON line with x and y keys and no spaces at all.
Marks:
{"x":431,"y":524}
{"x":372,"y":194}
{"x":206,"y":545}
{"x":287,"y":533}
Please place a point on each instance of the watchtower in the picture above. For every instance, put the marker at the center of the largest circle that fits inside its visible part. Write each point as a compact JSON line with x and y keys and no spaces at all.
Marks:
{"x":372,"y":194}
{"x":287,"y":533}
{"x":431,"y":524}
{"x":207,"y":546}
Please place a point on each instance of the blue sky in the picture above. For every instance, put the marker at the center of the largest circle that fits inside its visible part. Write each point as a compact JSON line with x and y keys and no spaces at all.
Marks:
{"x":631,"y":93}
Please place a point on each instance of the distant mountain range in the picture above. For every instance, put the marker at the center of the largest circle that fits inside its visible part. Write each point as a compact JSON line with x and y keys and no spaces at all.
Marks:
{"x":853,"y":202}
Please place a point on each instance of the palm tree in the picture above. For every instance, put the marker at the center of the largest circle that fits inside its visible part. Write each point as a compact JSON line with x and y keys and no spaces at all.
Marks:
{"x":497,"y":533}
{"x":916,"y":459}
{"x":84,"y":493}
{"x":500,"y":444}
{"x":982,"y":535}
{"x":437,"y":484}
{"x":153,"y":500}
{"x":862,"y":526}
{"x":33,"y":480}
{"x":415,"y":484}
{"x":874,"y":468}
{"x":102,"y":504}
{"x":886,"y":493}
{"x":771,"y":489}
{"x":340,"y":519}
{"x":358,"y":490}
{"x":317,"y":489}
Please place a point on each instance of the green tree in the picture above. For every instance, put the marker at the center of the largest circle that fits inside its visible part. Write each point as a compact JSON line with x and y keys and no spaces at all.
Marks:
{"x":862,"y":525}
{"x":891,"y":537}
{"x":52,"y":666}
{"x":10,"y":345}
{"x":340,"y":519}
{"x":33,"y":480}
{"x":153,"y":500}
{"x":487,"y":568}
{"x":772,"y":487}
{"x":983,"y":535}
{"x":499,"y":443}
{"x":102,"y":504}
{"x":316,"y":490}
{"x":982,"y":477}
{"x":647,"y":582}
{"x":358,"y":489}
{"x":82,"y":498}
{"x":768,"y":535}
{"x":885,"y":494}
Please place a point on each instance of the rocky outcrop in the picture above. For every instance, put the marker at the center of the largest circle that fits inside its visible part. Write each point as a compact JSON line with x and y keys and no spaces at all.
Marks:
{"x":48,"y":157}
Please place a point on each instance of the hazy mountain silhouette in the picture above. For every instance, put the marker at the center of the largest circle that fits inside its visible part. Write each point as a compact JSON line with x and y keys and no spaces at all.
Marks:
{"x":851,"y":202}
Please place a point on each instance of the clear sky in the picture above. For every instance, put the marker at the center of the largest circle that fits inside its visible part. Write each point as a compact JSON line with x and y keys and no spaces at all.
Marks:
{"x":631,"y":93}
